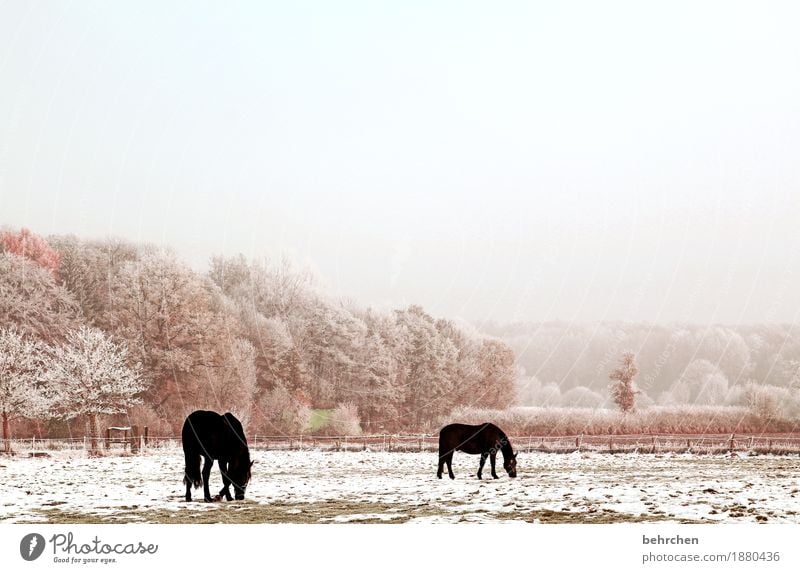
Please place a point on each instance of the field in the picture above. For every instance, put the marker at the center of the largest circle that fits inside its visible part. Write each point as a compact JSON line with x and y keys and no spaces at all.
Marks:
{"x":397,"y":487}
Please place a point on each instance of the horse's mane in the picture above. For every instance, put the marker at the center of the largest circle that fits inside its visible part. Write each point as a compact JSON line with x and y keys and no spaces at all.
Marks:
{"x":236,"y":426}
{"x":505,"y":447}
{"x":244,"y":452}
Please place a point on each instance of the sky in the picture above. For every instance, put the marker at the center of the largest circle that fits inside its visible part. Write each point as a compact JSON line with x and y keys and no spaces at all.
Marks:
{"x":503,"y":161}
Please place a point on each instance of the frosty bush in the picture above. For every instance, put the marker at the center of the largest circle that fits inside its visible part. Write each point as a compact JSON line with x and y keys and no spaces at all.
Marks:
{"x":344,"y":420}
{"x":769,"y":402}
{"x":279,"y":411}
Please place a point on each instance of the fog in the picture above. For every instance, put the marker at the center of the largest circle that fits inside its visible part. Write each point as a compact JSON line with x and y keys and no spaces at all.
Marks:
{"x":506,"y":162}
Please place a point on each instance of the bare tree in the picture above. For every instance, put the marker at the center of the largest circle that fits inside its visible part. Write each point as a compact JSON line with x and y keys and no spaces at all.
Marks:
{"x":623,"y":390}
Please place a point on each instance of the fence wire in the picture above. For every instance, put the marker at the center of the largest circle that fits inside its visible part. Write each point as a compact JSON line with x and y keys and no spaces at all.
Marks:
{"x":639,"y":443}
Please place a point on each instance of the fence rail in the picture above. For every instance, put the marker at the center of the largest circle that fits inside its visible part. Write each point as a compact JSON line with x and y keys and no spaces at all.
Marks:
{"x":641,"y":443}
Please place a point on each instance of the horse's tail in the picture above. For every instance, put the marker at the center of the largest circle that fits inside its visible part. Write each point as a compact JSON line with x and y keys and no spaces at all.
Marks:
{"x":192,"y":472}
{"x":446,"y":442}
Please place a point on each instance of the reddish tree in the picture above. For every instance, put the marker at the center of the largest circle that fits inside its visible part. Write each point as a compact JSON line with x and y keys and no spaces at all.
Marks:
{"x":623,"y":390}
{"x":33,"y":247}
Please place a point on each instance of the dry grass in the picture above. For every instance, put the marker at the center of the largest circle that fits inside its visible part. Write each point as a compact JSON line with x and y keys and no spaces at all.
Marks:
{"x":525,"y":421}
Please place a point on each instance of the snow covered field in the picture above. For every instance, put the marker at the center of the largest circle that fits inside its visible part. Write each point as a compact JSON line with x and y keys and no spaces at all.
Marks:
{"x":314,"y":486}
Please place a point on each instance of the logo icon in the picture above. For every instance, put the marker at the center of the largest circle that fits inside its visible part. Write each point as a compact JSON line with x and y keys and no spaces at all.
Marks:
{"x":31,"y":546}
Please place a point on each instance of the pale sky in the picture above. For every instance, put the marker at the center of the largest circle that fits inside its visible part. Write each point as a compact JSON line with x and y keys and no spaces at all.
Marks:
{"x":508,"y":161}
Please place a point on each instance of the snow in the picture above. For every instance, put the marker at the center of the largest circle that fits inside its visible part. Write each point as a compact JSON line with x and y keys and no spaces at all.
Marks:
{"x":399,"y":487}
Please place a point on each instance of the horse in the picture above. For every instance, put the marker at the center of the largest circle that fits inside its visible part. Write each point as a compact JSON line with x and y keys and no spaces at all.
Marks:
{"x":215,"y":437}
{"x":484,"y":439}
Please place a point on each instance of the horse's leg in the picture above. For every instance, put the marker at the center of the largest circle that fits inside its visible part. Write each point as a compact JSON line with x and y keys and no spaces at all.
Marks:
{"x":188,"y":473}
{"x":207,"y":463}
{"x":492,"y":457}
{"x":441,"y":466}
{"x":484,"y":455}
{"x":449,"y":461}
{"x":226,"y":481}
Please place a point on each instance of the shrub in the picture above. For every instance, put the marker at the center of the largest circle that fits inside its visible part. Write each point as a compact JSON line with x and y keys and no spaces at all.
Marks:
{"x":344,"y":420}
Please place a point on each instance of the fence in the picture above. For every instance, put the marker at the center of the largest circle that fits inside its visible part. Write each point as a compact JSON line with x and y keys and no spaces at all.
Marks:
{"x":639,"y":443}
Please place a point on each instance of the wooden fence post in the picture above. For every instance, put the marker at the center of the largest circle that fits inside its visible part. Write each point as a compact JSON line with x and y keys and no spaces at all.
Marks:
{"x":135,"y":439}
{"x":578,"y":443}
{"x":732,"y":445}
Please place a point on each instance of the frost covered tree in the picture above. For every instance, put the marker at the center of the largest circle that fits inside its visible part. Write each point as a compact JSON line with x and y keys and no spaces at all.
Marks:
{"x":278,"y":410}
{"x":90,"y":375}
{"x":32,"y":247}
{"x":548,"y":395}
{"x":87,"y":269}
{"x":32,"y":301}
{"x":527,"y":390}
{"x":581,"y":397}
{"x":428,"y":364}
{"x":231,"y":386}
{"x":21,"y":370}
{"x":378,"y":394}
{"x":623,"y":388}
{"x":161,"y":309}
{"x":702,"y":382}
{"x":497,"y":371}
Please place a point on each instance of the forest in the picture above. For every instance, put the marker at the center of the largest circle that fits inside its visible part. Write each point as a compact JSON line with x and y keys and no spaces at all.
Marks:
{"x":691,"y":378}
{"x":107,"y":331}
{"x":96,"y":332}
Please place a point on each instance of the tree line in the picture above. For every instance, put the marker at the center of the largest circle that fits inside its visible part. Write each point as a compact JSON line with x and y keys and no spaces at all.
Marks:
{"x":567,"y":365}
{"x":257,"y":338}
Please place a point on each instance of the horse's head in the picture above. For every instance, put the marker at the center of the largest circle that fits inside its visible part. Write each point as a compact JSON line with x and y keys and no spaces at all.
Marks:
{"x":239,"y":474}
{"x":510,"y":465}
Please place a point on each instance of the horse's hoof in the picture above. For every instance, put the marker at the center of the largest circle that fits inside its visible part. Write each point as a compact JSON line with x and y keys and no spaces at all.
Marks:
{"x":439,"y":476}
{"x":495,"y":477}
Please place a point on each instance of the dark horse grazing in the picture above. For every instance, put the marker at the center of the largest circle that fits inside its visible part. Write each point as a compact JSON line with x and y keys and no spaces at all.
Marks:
{"x":484,"y":439}
{"x":215,"y":437}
